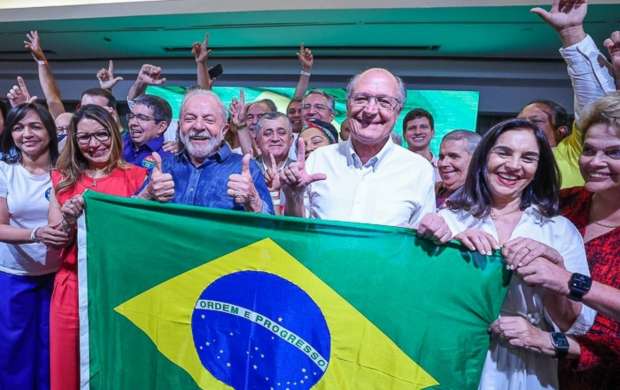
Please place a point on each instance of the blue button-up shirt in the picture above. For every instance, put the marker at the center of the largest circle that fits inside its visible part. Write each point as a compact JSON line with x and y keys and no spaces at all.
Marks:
{"x":141,"y":155}
{"x":207,"y":184}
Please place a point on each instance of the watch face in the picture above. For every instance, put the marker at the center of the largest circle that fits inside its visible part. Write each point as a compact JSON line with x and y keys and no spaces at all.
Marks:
{"x":559,"y":341}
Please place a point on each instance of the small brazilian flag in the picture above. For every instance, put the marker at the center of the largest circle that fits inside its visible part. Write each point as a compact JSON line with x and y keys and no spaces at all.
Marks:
{"x":180,"y":297}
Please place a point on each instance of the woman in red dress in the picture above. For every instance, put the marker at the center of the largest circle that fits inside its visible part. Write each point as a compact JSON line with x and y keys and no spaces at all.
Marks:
{"x":595,"y":210}
{"x":91,"y":160}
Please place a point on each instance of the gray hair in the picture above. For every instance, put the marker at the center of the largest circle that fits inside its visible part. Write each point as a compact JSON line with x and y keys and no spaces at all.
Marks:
{"x":271,"y":106}
{"x":269,"y":116}
{"x":205,"y":92}
{"x":330,"y":99}
{"x":402,"y":92}
{"x":472,"y":138}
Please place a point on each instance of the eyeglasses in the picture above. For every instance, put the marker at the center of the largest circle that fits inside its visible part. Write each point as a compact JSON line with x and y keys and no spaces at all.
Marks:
{"x":84,"y":138}
{"x":318,"y":107}
{"x":141,"y":117}
{"x":385,"y":102}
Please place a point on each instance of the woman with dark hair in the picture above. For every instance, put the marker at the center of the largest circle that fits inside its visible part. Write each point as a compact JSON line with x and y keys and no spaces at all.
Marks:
{"x":593,"y":359}
{"x":26,"y":271}
{"x":318,"y":133}
{"x":510,"y":201}
{"x":91,"y":160}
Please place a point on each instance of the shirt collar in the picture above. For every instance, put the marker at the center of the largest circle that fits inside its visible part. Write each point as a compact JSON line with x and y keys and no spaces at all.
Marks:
{"x":374,"y":162}
{"x":153,"y":145}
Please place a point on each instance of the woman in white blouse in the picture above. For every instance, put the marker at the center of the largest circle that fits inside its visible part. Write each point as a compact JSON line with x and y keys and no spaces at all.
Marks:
{"x":510,"y":201}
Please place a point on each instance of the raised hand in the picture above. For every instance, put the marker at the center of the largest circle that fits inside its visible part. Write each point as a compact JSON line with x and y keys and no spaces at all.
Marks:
{"x":566,"y":17}
{"x":151,"y":75}
{"x":33,"y":43}
{"x":201,"y":50}
{"x":613,"y":47}
{"x":106,"y":77}
{"x":306,"y":60}
{"x":161,"y":185}
{"x":238,"y":111}
{"x":241,"y":187}
{"x":272,"y":175}
{"x":18,"y":94}
{"x":433,"y":226}
{"x":294,"y":178}
{"x":171,"y":147}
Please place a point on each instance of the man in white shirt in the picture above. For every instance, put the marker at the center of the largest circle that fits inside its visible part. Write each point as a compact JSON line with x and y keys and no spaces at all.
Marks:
{"x":367,"y":178}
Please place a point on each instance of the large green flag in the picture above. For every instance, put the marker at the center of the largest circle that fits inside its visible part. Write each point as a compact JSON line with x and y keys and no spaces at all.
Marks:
{"x":181,"y":297}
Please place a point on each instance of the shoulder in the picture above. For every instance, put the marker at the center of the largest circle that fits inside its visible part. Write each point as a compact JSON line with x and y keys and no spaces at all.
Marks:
{"x":134,"y":172}
{"x":57,"y":176}
{"x":410,"y":159}
{"x":570,"y":195}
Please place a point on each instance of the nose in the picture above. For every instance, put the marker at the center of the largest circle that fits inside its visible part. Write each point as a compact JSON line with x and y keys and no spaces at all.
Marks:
{"x":514,"y":162}
{"x":598,"y":159}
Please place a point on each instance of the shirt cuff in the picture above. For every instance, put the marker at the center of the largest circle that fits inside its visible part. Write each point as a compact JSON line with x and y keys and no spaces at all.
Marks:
{"x":583,"y":322}
{"x":581,"y":56}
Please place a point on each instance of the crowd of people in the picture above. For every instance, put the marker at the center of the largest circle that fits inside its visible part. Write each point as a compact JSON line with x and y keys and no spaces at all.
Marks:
{"x":543,"y":190}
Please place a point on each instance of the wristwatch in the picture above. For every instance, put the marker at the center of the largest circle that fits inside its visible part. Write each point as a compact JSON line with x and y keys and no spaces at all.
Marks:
{"x":578,"y":286}
{"x":560,"y":344}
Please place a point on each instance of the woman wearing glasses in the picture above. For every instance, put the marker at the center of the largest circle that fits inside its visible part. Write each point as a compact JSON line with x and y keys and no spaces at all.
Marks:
{"x":91,"y":160}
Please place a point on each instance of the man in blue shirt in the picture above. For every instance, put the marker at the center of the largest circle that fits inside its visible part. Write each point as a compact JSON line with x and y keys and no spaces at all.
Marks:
{"x":148,"y":119}
{"x":205,"y":171}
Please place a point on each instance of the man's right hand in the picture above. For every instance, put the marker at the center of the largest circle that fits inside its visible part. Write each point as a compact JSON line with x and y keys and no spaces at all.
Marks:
{"x":106,"y":77}
{"x":566,"y":17}
{"x":613,"y":47}
{"x":18,"y":94}
{"x":150,"y":75}
{"x":33,"y":44}
{"x":238,"y":111}
{"x":161,"y":185}
{"x":295,"y":178}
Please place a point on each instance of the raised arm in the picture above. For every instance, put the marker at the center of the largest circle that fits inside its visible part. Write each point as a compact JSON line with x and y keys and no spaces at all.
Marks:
{"x":46,"y":77}
{"x":148,"y":75}
{"x":590,"y":78}
{"x":613,"y":47}
{"x":306,"y":60}
{"x":201,"y":55}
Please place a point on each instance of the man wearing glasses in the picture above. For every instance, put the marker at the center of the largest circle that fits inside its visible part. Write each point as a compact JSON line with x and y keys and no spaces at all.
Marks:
{"x":148,"y":119}
{"x":366,"y":178}
{"x":317,"y":105}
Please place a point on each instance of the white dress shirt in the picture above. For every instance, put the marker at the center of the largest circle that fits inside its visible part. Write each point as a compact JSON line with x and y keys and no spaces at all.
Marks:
{"x":395,"y":187}
{"x":590,"y":78}
{"x":511,"y":368}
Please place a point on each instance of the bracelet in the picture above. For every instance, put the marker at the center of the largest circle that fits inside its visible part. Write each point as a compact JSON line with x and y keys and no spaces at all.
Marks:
{"x":41,"y":62}
{"x":304,"y":73}
{"x":33,"y":234}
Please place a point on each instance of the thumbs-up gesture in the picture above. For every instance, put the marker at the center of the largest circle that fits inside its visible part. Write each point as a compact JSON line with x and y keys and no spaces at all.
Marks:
{"x":161,"y":185}
{"x":272,"y":176}
{"x":295,"y":178}
{"x":241,"y":187}
{"x":106,"y":77}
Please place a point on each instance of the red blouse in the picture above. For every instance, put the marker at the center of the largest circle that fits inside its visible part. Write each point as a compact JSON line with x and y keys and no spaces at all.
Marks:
{"x":598,"y":366}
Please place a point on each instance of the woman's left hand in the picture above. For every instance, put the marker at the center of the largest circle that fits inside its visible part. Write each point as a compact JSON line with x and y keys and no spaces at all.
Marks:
{"x":72,"y":209}
{"x":519,"y":332}
{"x":521,"y":251}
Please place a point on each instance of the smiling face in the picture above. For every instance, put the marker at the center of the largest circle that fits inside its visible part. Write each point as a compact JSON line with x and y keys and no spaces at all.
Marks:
{"x":316,"y":106}
{"x":600,"y":159}
{"x":293,"y":112}
{"x":542,"y":117}
{"x":418,"y":133}
{"x":374,"y":105}
{"x":313,"y":139}
{"x":274,"y":137}
{"x":453,"y":163}
{"x":255,"y":112}
{"x":94,"y":142}
{"x":511,"y":164}
{"x":143,"y":126}
{"x":30,"y":135}
{"x":202,"y":126}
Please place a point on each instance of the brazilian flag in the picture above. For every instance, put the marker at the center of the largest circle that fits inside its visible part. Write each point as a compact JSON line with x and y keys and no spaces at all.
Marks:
{"x":181,"y":297}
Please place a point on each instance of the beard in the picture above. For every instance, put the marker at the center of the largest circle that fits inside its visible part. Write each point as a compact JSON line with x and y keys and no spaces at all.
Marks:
{"x":204,"y":150}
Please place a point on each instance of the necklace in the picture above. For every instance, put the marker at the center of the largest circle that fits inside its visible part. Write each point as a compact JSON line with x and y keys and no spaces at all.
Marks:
{"x":95,"y":175}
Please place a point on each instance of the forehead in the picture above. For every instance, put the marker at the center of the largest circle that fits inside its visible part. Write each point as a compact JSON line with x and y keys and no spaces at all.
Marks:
{"x":421,"y":120}
{"x":536,"y":110}
{"x":376,"y":82}
{"x":454,"y":146}
{"x":294,"y":104}
{"x":312,"y":132}
{"x":603,"y":133}
{"x":87,"y":125}
{"x":258,"y":108}
{"x":30,"y":116}
{"x":274,"y":123}
{"x":316,"y":98}
{"x":202,"y":105}
{"x":94,"y":99}
{"x":518,"y":139}
{"x":141,"y":109}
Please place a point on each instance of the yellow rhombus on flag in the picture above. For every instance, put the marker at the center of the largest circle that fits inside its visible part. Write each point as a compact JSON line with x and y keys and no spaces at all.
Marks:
{"x":360,"y":355}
